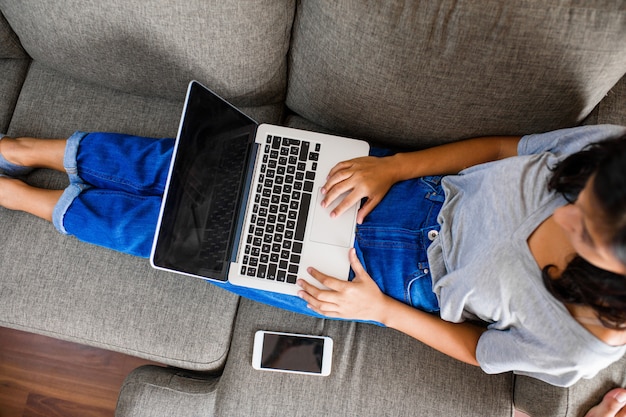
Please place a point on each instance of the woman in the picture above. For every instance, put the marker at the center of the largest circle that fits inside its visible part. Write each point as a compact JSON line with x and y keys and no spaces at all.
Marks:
{"x":500,"y":239}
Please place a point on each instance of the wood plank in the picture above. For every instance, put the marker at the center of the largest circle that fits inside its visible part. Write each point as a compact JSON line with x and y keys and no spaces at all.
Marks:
{"x":12,"y":400}
{"x":42,"y":406}
{"x":41,"y":376}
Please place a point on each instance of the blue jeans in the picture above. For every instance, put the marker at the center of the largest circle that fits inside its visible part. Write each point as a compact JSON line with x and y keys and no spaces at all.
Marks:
{"x":114,"y":198}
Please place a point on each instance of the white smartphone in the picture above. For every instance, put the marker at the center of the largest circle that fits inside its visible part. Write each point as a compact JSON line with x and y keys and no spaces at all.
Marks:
{"x":293,"y":353}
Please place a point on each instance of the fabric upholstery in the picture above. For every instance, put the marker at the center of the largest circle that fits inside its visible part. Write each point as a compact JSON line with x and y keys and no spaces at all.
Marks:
{"x":62,"y":288}
{"x":57,"y":286}
{"x":173,"y":392}
{"x":10,"y":46}
{"x":570,"y":402}
{"x":420,"y":73}
{"x":13,"y":66}
{"x":612,"y":109}
{"x":410,"y":74}
{"x":13,"y":73}
{"x":157,"y":48}
{"x":376,"y":372}
{"x":54,"y":105}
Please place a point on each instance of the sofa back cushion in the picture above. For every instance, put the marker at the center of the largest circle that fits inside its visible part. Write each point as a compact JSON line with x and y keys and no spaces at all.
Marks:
{"x":421,"y":73}
{"x":9,"y":43}
{"x":155,"y":47}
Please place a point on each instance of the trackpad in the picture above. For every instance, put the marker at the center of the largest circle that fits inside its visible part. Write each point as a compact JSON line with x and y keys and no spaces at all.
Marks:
{"x":338,"y":231}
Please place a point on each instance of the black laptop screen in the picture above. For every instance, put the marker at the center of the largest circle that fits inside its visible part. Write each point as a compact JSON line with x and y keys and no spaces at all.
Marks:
{"x":201,"y":209}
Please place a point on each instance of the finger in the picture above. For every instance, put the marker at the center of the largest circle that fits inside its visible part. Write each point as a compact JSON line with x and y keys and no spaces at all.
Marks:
{"x":321,"y":311}
{"x":311,"y":300}
{"x":355,"y":263}
{"x":366,"y":209}
{"x":340,"y":167}
{"x":332,"y":194}
{"x":338,"y":174}
{"x":326,"y":280}
{"x":312,"y":290}
{"x":314,"y":302}
{"x":349,"y":200}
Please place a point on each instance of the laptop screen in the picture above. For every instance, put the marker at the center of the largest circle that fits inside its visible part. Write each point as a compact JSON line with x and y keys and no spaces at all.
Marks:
{"x":201,"y":208}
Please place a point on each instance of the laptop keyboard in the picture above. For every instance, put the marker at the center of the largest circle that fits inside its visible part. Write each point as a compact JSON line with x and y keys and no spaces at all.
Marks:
{"x":280,"y":209}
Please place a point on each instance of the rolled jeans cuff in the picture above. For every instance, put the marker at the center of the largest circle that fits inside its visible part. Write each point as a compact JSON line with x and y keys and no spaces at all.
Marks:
{"x":67,"y":198}
{"x":70,"y":158}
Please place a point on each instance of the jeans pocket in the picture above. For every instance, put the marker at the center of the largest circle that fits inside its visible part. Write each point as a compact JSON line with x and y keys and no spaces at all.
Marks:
{"x":433,"y":184}
{"x":419,"y":290}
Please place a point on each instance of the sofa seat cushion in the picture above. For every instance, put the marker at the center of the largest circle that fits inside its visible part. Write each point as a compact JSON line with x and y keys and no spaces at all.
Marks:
{"x":156,"y":47}
{"x":376,"y":371}
{"x":57,"y":286}
{"x":422,"y":73}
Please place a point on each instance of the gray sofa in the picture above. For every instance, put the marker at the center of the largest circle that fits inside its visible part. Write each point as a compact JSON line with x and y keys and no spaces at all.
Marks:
{"x":404,"y":74}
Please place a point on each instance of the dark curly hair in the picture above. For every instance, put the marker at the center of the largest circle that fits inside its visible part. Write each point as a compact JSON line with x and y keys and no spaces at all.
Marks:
{"x":582,"y":283}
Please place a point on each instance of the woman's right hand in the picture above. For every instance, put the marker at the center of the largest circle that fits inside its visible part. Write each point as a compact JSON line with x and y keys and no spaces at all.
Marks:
{"x":366,"y":177}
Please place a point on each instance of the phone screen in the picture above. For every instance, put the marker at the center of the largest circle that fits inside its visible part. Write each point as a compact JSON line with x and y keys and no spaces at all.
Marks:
{"x":292,"y":353}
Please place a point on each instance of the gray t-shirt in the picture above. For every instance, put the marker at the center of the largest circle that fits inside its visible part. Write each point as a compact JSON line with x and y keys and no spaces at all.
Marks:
{"x":483,"y":269}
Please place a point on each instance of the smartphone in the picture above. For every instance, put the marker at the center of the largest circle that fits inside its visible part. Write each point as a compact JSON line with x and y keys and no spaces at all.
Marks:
{"x":293,"y":353}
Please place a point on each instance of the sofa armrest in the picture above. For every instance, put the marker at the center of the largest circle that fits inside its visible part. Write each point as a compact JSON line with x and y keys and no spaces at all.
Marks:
{"x":539,"y":399}
{"x":153,"y":390}
{"x":612,"y":108}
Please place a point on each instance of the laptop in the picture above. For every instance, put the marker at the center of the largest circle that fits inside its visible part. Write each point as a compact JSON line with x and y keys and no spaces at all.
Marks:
{"x":243,"y":203}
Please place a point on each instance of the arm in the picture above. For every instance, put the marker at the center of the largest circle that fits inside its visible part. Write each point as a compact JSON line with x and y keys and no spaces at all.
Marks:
{"x":362,"y":299}
{"x":457,"y":340}
{"x":372,"y":177}
{"x":454,"y":157}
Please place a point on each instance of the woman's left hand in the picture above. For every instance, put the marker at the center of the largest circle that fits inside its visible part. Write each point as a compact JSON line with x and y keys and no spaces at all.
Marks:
{"x":367,"y":177}
{"x":359,"y":299}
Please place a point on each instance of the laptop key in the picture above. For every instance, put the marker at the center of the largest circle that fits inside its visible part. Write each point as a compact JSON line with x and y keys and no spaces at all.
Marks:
{"x":304,"y":151}
{"x":297,"y":247}
{"x":303,"y":215}
{"x":281,"y":275}
{"x":271,"y":272}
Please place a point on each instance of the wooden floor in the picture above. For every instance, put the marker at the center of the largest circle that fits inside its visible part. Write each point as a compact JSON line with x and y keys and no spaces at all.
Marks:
{"x":44,"y":377}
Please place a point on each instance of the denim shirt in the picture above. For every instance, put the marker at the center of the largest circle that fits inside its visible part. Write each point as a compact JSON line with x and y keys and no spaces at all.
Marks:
{"x":482,"y":267}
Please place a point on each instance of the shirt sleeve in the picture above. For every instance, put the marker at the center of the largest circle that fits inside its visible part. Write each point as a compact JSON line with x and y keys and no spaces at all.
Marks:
{"x":568,"y":141}
{"x":501,"y":351}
